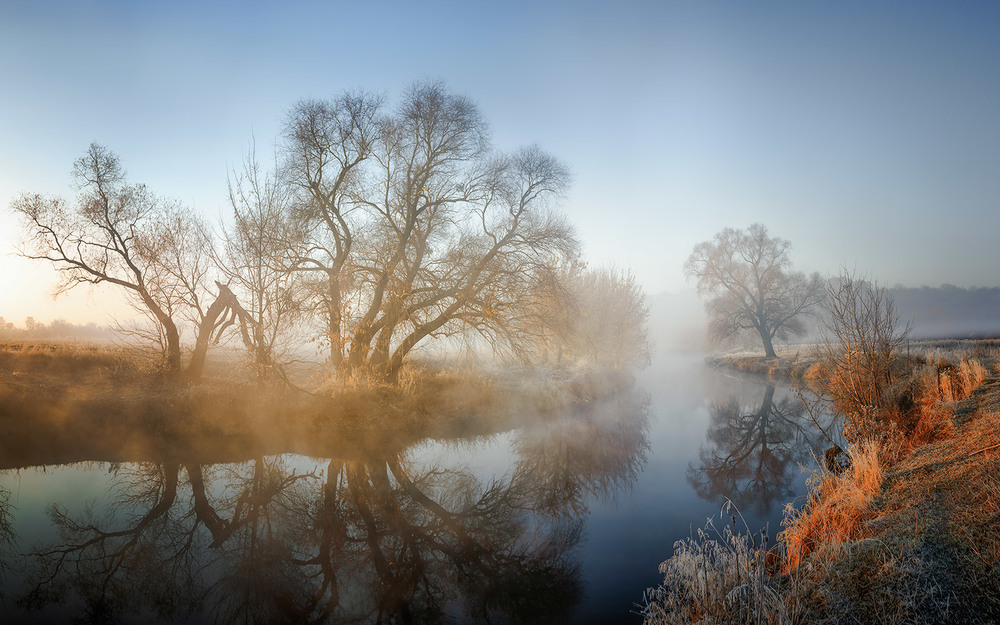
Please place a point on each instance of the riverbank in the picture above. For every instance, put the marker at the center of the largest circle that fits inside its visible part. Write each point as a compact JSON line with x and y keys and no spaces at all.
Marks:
{"x":927,"y":547}
{"x":907,"y":532}
{"x":787,"y":366}
{"x":67,"y":402}
{"x":793,"y":362}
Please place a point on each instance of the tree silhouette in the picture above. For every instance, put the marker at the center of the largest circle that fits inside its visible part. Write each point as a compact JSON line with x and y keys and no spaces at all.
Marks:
{"x":156,"y":251}
{"x":412,"y":227}
{"x":745,"y":276}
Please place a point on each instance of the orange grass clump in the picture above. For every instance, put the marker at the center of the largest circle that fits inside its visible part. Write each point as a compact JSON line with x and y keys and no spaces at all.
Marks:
{"x":937,"y":389}
{"x":835,"y":507}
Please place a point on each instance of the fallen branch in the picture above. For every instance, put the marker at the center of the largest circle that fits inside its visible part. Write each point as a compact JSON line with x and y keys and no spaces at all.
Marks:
{"x":985,"y":449}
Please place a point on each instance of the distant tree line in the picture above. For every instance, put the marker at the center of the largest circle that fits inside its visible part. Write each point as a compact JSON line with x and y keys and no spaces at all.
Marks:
{"x":948,"y":311}
{"x":750,"y":290}
{"x":57,"y":329}
{"x":374,"y":231}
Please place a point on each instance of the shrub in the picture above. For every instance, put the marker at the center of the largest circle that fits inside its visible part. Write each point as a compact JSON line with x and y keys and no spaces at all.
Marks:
{"x":860,"y":358}
{"x":717,"y":577}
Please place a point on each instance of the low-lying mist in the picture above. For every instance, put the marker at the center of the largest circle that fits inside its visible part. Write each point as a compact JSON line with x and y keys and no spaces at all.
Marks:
{"x":677,"y":321}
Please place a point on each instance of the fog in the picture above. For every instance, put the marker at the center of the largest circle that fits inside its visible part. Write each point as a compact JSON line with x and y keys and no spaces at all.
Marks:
{"x":948,"y":311}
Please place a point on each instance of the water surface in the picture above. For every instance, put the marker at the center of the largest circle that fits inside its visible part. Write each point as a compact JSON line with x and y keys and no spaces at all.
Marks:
{"x":563,"y":519}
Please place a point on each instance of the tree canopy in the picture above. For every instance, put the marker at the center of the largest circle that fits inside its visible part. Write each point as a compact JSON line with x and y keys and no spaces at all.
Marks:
{"x":376,"y":230}
{"x":411,"y":226}
{"x":746,"y":280}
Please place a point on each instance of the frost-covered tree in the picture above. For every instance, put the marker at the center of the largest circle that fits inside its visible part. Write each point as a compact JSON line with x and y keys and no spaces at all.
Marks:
{"x":746,"y":279}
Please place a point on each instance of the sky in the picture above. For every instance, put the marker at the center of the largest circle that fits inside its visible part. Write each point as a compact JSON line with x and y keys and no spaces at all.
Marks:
{"x":866,"y":133}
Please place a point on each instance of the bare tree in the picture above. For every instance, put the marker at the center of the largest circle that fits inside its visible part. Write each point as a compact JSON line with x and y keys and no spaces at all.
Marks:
{"x":256,"y":262}
{"x":746,"y":278}
{"x":121,"y":234}
{"x":419,"y":229}
{"x":864,"y":336}
{"x":327,"y":144}
{"x":605,"y":318}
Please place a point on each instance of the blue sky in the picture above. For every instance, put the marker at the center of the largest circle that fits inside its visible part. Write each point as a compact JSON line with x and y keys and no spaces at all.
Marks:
{"x":866,"y":133}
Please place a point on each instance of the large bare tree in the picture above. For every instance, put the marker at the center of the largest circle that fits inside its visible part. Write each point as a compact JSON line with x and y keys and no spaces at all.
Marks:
{"x":118,"y":233}
{"x":746,"y":278}
{"x":418,"y":228}
{"x":327,"y":144}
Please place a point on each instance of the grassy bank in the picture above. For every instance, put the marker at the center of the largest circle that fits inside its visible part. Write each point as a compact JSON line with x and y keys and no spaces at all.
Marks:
{"x":64,"y":402}
{"x":793,"y":362}
{"x":905,"y":528}
{"x":789,"y":365}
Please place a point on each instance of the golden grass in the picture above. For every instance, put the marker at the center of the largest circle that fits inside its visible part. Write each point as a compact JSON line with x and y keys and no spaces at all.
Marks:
{"x":61,"y":402}
{"x":920,"y":410}
{"x":915,"y":542}
{"x":835,"y":508}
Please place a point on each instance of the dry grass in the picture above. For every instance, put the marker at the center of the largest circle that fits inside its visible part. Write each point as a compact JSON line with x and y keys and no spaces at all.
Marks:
{"x":917,"y":543}
{"x":835,"y":508}
{"x":718,"y":577}
{"x":917,"y":408}
{"x":66,"y":402}
{"x":933,"y":553}
{"x":938,"y":388}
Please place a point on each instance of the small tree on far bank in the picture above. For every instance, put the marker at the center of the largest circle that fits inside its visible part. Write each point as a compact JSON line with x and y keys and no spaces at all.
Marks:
{"x":864,"y":335}
{"x":609,"y":327}
{"x":746,"y":280}
{"x":596,"y":316}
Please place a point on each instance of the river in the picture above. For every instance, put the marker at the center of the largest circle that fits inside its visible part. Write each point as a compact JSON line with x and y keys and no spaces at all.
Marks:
{"x":563,"y":519}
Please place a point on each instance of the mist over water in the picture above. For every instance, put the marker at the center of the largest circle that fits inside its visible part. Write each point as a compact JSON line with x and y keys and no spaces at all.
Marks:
{"x":564,"y":518}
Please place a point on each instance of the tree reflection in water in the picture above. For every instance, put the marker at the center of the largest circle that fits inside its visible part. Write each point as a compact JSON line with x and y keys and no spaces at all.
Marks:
{"x":6,"y":533}
{"x":753,"y":453}
{"x":376,"y":540}
{"x":598,"y":455}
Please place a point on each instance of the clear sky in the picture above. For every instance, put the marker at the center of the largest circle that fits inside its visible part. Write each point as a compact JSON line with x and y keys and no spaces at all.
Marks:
{"x":867,"y":133}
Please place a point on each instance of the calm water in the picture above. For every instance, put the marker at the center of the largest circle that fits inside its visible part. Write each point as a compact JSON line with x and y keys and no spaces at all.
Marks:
{"x":563,"y":520}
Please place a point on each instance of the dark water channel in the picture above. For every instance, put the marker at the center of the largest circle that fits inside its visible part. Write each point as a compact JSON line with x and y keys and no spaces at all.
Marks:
{"x":563,"y":520}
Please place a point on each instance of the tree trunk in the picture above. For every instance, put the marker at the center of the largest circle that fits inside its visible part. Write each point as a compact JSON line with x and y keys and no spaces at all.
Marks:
{"x":173,"y":347}
{"x":765,"y":337}
{"x":172,"y":335}
{"x":208,"y":324}
{"x":335,"y":324}
{"x":390,"y":370}
{"x":383,"y":342}
{"x":360,"y":346}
